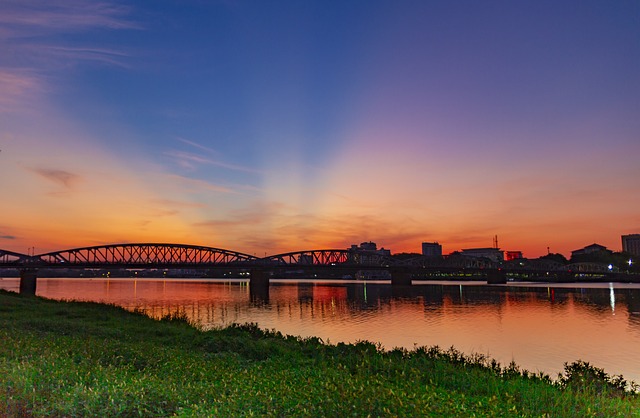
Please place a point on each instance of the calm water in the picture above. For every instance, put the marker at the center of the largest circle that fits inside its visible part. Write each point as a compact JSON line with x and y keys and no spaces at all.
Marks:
{"x":537,"y":326}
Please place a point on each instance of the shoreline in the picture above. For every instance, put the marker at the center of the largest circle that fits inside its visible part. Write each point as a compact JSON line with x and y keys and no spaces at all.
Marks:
{"x":415,"y":282}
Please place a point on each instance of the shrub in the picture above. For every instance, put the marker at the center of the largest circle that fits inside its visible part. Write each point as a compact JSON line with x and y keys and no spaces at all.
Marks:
{"x":580,"y":376}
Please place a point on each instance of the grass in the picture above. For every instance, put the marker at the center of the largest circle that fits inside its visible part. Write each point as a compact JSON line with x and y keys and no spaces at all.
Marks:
{"x":85,"y":359}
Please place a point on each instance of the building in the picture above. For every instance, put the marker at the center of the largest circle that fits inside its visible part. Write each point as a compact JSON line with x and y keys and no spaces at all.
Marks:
{"x":431,"y":249}
{"x":590,"y":249}
{"x":631,"y":244}
{"x":372,"y":247}
{"x":493,"y":254}
{"x":512,"y":255}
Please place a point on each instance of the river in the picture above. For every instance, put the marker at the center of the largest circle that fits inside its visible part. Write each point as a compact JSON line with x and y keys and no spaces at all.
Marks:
{"x":538,"y":326}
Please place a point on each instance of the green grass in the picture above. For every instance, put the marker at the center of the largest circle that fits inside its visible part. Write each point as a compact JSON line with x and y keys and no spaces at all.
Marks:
{"x":86,"y":359}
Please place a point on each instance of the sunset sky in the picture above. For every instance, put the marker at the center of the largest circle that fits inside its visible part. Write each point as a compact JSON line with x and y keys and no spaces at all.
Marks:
{"x":274,"y":126}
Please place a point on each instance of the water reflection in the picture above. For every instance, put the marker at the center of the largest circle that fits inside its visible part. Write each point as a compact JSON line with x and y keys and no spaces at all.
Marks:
{"x":538,"y":326}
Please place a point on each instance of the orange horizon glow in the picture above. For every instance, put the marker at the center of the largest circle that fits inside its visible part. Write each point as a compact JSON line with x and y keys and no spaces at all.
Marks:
{"x":44,"y":246}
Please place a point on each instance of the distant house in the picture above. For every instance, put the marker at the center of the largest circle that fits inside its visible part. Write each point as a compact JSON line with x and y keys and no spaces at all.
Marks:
{"x":590,"y":249}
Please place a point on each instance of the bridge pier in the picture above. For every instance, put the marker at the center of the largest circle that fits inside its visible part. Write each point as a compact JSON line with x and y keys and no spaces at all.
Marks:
{"x":28,"y":281}
{"x":259,"y":285}
{"x":400,"y":277}
{"x":496,"y":276}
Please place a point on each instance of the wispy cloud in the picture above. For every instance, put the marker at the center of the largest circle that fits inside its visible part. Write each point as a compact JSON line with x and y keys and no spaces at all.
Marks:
{"x":60,"y":177}
{"x":207,"y":156}
{"x":257,"y":213}
{"x":16,"y":86}
{"x":196,"y":185}
{"x":196,"y":145}
{"x":231,"y":222}
{"x":75,"y":54}
{"x":190,"y":161}
{"x":31,"y":47}
{"x":275,"y":227}
{"x":177,"y":203}
{"x":22,"y":18}
{"x":157,"y":208}
{"x":8,"y":237}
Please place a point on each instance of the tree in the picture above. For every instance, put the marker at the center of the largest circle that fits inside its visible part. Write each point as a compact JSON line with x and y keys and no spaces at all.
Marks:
{"x":557,"y":257}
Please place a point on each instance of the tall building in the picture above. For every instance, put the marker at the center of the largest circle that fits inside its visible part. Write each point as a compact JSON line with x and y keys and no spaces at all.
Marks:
{"x":431,"y":249}
{"x":631,"y":244}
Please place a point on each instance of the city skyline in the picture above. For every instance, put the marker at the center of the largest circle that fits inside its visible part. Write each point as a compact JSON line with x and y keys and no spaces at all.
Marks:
{"x":276,"y":127}
{"x":427,"y":248}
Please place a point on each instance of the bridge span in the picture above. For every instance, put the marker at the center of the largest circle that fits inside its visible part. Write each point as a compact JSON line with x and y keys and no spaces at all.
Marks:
{"x":320,"y":263}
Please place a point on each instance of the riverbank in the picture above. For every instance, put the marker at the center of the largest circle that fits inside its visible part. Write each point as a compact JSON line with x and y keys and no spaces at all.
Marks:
{"x":87,"y":359}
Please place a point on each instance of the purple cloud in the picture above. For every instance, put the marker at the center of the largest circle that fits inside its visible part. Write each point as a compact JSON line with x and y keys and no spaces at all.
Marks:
{"x":60,"y":177}
{"x":24,"y":17}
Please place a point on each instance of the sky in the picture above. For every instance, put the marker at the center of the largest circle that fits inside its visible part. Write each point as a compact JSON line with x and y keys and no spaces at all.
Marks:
{"x":268,"y":127}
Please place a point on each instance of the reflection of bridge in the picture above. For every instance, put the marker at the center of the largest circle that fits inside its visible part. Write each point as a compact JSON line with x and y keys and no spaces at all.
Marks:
{"x":322,"y":263}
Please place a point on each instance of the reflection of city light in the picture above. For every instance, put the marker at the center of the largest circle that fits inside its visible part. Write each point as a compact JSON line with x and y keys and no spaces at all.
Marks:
{"x":612,"y":298}
{"x":630,"y":262}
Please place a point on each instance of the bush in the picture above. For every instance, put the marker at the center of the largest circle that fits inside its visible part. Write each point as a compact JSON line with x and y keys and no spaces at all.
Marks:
{"x":580,"y":376}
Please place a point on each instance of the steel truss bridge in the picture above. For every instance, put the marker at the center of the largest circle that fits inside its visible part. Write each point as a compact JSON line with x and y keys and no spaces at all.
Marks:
{"x":179,"y":256}
{"x":162,"y":256}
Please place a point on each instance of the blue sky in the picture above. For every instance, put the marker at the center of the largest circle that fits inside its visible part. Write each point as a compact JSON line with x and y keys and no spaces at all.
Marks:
{"x":278,"y":126}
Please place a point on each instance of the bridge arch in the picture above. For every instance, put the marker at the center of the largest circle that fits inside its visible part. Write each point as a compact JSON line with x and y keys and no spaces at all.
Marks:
{"x":10,"y":257}
{"x":144,"y":255}
{"x":329,"y":257}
